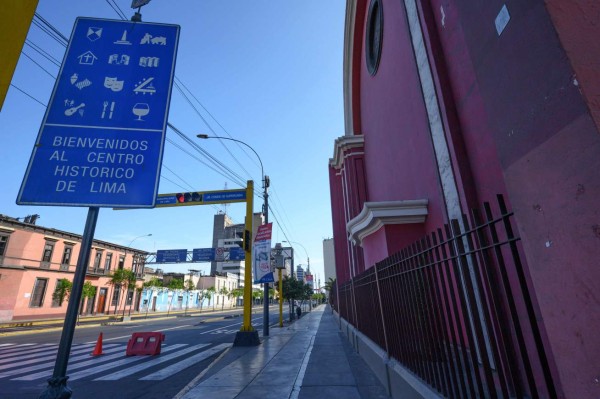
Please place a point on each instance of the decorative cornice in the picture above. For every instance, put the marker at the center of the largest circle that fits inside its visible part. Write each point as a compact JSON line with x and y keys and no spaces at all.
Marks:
{"x":375,"y":215}
{"x":343,"y":144}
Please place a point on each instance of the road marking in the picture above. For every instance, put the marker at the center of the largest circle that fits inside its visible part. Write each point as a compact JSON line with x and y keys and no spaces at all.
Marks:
{"x":125,"y":361}
{"x":48,"y":363}
{"x":15,"y":349}
{"x":47,"y":372}
{"x":220,"y":328}
{"x":190,"y":361}
{"x":39,"y":354}
{"x":24,"y":352}
{"x":174,"y":328}
{"x":132,"y":370}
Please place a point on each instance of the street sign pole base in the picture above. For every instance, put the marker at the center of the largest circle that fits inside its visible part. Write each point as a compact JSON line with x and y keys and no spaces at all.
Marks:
{"x":246,"y":338}
{"x":57,"y":389}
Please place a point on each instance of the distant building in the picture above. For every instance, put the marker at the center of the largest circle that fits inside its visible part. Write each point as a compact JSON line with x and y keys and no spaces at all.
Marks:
{"x":34,"y":258}
{"x":299,"y":273}
{"x":226,"y":235}
{"x":328,"y":259}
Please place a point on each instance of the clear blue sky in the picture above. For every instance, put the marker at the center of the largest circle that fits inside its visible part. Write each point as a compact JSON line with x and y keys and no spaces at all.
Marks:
{"x":269,"y":72}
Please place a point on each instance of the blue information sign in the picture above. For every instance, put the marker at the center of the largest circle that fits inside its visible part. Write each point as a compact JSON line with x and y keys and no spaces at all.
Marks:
{"x":203,"y":254}
{"x":236,"y":253}
{"x":171,"y":255}
{"x":101,"y":141}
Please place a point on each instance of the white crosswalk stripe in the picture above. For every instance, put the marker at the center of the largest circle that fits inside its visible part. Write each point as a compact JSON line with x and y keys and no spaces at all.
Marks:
{"x":34,"y":362}
{"x":132,"y":370}
{"x":47,"y":373}
{"x":124,"y":361}
{"x":48,"y":362}
{"x":181,"y":365}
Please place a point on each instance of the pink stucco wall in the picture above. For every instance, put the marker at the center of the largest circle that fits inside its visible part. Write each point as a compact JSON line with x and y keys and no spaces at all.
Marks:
{"x":527,"y":102}
{"x":399,"y":159}
{"x":21,"y":267}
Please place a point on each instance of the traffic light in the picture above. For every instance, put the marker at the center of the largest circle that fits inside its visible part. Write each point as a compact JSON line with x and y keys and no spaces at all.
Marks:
{"x":245,"y":241}
{"x":183,"y":198}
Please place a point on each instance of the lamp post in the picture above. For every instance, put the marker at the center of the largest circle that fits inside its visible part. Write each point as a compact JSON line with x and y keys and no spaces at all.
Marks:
{"x":136,"y":274}
{"x":305,"y":251}
{"x":143,"y":235}
{"x":266,"y":183}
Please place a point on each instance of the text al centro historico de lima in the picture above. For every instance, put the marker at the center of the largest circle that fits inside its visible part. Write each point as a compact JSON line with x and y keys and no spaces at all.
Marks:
{"x":113,"y":159}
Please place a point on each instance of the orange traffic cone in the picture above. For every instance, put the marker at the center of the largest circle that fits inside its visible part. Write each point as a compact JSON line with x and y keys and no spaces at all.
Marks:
{"x":98,"y":349}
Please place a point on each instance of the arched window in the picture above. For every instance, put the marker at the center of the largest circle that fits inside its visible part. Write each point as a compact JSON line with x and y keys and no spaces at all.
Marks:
{"x":374,"y":36}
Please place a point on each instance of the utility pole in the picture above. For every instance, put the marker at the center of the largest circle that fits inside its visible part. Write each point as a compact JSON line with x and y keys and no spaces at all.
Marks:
{"x":266,"y":184}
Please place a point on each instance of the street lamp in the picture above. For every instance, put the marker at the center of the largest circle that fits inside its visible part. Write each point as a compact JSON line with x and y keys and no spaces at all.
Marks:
{"x":143,"y":235}
{"x":305,"y":251}
{"x":266,"y":183}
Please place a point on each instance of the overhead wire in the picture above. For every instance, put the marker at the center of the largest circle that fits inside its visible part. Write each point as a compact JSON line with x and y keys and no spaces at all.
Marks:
{"x":42,"y":52}
{"x":38,"y":64}
{"x":28,"y":95}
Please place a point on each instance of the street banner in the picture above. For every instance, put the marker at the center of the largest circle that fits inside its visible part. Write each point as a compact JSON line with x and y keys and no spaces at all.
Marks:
{"x":261,"y":262}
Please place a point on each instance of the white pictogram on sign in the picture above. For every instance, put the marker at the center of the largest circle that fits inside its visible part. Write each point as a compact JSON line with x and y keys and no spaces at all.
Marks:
{"x":149,"y":62}
{"x":140,"y":109}
{"x":148,"y":39}
{"x":145,"y":86}
{"x":113,"y":84}
{"x":80,"y":84}
{"x":87,"y":58}
{"x":115,"y":59}
{"x":123,"y":39}
{"x":94,"y":33}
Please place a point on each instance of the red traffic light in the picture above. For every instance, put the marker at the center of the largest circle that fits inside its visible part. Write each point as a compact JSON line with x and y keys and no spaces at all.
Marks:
{"x":188,"y":197}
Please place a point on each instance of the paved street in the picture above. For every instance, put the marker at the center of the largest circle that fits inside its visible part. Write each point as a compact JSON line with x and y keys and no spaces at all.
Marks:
{"x":191,"y":344}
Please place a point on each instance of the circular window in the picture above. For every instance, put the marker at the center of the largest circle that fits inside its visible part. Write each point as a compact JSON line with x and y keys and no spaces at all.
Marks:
{"x":374,"y":36}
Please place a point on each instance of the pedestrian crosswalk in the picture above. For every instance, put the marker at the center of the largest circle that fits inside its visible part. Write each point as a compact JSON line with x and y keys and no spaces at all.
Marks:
{"x":31,"y":362}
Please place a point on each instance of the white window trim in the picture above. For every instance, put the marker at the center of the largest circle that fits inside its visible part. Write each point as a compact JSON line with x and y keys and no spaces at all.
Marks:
{"x":375,"y":215}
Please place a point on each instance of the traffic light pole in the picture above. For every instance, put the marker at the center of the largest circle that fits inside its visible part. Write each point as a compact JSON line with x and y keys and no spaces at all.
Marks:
{"x":248,"y":336}
{"x":266,"y":183}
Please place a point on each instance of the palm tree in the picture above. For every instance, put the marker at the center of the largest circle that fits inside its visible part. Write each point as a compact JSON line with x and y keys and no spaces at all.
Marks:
{"x":225,"y":292}
{"x":116,"y":280}
{"x":88,"y":292}
{"x":329,"y":287}
{"x":256,"y":295}
{"x":237,"y":293}
{"x":189,"y":285}
{"x":210,"y":292}
{"x":62,"y":291}
{"x":129,"y":280}
{"x":175,"y":284}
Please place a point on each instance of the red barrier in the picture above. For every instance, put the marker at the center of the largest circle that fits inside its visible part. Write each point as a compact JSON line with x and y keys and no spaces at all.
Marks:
{"x":144,"y":343}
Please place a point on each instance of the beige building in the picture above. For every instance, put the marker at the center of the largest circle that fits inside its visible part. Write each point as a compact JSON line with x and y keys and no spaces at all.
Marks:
{"x":34,"y":258}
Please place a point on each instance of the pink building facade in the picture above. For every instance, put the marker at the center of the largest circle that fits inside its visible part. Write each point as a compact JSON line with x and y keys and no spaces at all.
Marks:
{"x":34,"y":258}
{"x":449,"y":103}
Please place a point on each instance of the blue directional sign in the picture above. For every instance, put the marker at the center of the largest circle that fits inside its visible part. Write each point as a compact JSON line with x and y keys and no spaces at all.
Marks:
{"x":171,"y":255}
{"x":203,"y":254}
{"x":230,"y":195}
{"x":236,"y":253}
{"x":101,"y":140}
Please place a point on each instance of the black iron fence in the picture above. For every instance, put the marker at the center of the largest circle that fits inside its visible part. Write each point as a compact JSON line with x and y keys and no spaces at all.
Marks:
{"x":455,"y":308}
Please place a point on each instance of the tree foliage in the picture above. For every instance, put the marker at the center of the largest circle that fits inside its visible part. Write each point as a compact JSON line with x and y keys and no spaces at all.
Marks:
{"x":153,"y":282}
{"x":176,"y":284}
{"x":62,"y":291}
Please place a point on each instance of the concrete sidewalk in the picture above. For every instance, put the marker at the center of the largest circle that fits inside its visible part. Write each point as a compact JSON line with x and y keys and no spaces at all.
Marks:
{"x":307,"y":359}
